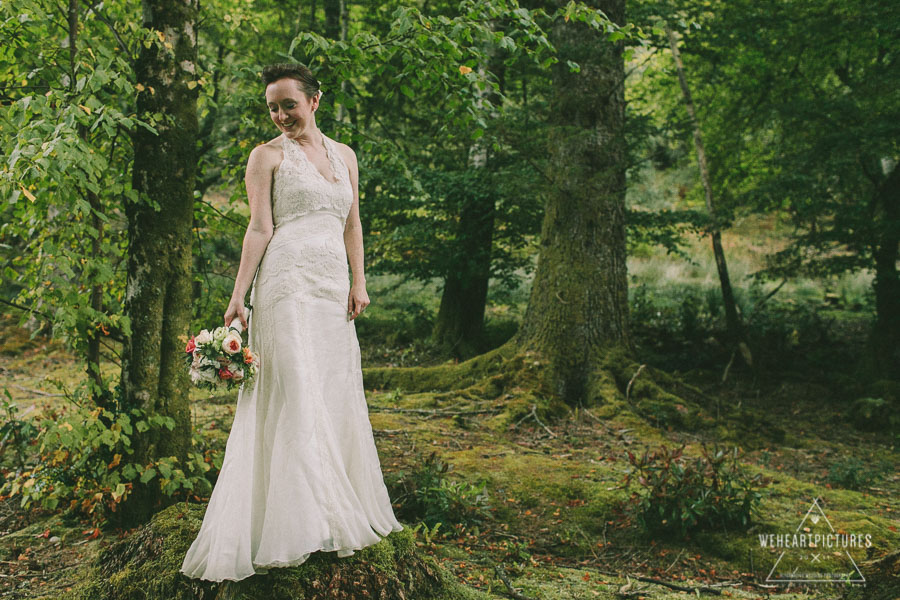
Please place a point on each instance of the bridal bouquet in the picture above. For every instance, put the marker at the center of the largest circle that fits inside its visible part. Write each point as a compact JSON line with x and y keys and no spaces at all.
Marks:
{"x":219,"y":358}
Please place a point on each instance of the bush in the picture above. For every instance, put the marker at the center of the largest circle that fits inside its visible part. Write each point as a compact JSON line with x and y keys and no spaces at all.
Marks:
{"x":853,"y":474}
{"x":15,"y":433}
{"x":678,"y":495}
{"x":82,"y":463}
{"x":427,"y":495}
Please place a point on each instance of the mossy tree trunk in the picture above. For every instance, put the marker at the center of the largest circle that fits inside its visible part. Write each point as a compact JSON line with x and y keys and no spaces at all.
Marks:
{"x":579,"y":299}
{"x":158,"y":293}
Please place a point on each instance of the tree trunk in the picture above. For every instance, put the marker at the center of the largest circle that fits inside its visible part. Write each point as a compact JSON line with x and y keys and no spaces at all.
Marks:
{"x":460,"y":322}
{"x":885,"y":335}
{"x":96,"y":302}
{"x":579,"y":299}
{"x":158,"y":292}
{"x":332,"y":19}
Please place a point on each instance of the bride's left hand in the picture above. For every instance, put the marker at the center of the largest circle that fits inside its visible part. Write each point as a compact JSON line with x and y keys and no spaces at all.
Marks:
{"x":357,"y":301}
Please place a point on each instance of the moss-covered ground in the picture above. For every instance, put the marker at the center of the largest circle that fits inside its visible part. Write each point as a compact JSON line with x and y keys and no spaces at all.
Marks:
{"x":558,"y":528}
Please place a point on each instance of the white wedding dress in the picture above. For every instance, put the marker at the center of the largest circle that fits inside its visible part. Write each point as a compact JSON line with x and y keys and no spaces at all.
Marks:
{"x":301,"y":472}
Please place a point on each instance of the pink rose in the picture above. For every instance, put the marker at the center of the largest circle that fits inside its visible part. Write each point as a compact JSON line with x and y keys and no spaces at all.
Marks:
{"x":191,"y":345}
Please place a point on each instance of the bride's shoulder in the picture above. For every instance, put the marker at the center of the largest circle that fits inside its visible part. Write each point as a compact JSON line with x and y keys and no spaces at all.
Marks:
{"x":346,"y":152}
{"x":268,"y":154}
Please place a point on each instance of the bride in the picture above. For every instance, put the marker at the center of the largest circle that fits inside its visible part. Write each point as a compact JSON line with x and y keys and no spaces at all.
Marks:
{"x":301,"y":472}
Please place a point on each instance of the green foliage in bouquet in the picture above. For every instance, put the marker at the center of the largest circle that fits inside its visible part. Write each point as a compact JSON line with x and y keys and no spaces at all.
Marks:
{"x":218,"y":358}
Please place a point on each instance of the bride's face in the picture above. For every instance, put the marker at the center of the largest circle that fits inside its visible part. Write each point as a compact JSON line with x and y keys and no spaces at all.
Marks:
{"x":290,"y":109}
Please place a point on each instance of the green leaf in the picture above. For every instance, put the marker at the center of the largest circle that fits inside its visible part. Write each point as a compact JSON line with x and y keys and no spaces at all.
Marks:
{"x":148,"y":475}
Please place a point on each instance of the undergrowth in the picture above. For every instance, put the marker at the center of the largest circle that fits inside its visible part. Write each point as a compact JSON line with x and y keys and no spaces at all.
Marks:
{"x":677,"y":495}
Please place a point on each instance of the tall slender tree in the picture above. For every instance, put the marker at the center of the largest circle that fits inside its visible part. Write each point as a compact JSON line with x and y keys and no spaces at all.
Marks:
{"x":158,"y":296}
{"x":732,"y":319}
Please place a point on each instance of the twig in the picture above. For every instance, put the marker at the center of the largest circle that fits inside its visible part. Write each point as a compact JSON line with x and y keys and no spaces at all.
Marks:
{"x":674,"y":561}
{"x":728,"y":366}
{"x":598,"y":419}
{"x":633,"y":377}
{"x":509,"y":588}
{"x":533,"y":413}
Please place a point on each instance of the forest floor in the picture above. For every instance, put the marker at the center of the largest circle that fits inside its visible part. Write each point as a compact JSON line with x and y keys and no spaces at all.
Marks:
{"x":558,"y":525}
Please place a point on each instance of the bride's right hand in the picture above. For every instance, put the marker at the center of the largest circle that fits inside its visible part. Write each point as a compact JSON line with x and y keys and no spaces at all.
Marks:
{"x":235,"y":309}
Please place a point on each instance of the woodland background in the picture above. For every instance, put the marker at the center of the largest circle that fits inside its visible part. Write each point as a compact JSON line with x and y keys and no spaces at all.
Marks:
{"x":633,"y":271}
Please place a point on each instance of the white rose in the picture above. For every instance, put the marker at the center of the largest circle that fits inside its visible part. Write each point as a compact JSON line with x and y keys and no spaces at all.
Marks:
{"x":198,"y":375}
{"x":204,"y":337}
{"x":232,"y":343}
{"x":220,"y":333}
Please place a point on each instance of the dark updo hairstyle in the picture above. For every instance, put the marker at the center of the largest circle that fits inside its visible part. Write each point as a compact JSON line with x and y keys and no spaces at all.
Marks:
{"x":306,"y":81}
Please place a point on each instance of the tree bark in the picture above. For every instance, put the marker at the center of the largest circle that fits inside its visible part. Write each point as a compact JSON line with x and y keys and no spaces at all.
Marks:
{"x":885,"y":335}
{"x":732,"y":319}
{"x":332,"y":19}
{"x":579,"y":299}
{"x":158,"y":292}
{"x":460,"y":321}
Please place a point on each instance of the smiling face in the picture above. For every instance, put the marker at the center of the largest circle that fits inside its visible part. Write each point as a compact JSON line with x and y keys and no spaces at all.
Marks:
{"x":290,"y":109}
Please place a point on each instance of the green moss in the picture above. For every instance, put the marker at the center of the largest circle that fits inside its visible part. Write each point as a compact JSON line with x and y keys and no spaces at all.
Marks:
{"x":146,"y":565}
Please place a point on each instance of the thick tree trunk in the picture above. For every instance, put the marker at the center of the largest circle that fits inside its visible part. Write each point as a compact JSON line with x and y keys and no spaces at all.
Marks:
{"x":885,"y":335}
{"x":158,"y":296}
{"x":732,"y":319}
{"x":579,"y":299}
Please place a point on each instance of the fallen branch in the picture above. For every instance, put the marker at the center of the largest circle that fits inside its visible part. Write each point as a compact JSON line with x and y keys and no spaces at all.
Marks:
{"x":680,"y":588}
{"x":434,"y":412}
{"x":388,"y":431}
{"x":33,"y":391}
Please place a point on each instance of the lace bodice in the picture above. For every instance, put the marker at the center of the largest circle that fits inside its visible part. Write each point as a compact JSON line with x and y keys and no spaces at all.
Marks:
{"x":299,"y":188}
{"x":306,"y":258}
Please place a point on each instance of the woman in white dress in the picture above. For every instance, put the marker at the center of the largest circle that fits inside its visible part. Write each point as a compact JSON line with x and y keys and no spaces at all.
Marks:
{"x":301,"y":472}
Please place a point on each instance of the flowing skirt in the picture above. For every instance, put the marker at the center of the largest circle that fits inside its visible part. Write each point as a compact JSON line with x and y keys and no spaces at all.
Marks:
{"x":301,"y":472}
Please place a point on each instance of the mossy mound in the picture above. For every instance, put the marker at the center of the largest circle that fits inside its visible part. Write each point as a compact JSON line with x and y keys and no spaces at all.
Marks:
{"x":146,"y":564}
{"x":882,"y":579}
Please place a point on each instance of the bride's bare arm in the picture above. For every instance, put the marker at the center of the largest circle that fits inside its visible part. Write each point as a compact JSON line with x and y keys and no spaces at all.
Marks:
{"x":258,"y":180}
{"x":353,"y":242}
